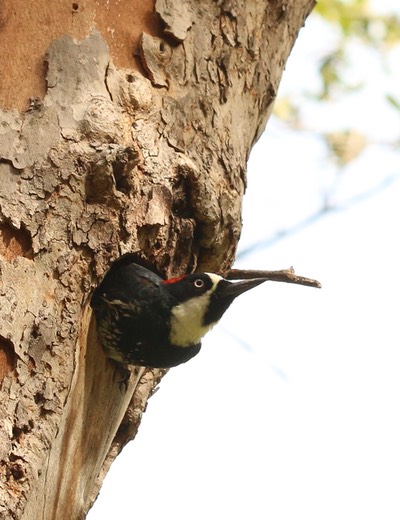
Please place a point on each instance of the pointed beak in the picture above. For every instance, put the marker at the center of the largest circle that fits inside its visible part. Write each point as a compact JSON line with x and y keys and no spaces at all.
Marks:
{"x":224,"y":295}
{"x":234,"y":289}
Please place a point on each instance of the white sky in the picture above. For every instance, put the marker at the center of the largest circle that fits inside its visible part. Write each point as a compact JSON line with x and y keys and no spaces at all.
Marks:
{"x":291,"y":410}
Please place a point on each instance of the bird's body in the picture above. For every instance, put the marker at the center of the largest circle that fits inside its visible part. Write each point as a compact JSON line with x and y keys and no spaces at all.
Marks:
{"x":147,"y":321}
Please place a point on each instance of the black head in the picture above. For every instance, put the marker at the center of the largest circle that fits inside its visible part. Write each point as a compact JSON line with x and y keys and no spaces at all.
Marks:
{"x":212,"y":293}
{"x":190,"y":286}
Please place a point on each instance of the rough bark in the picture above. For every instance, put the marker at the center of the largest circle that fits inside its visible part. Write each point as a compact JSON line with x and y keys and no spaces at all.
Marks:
{"x":134,"y":138}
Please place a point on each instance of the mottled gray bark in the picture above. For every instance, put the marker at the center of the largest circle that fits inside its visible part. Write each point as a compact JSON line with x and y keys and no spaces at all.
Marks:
{"x":149,"y":159}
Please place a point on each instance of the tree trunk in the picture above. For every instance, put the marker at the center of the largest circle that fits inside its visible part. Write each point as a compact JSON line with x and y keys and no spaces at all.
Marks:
{"x":125,"y":128}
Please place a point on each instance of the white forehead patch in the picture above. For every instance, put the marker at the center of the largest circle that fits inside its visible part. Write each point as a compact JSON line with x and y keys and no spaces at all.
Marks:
{"x":215,"y":278}
{"x":187,"y":318}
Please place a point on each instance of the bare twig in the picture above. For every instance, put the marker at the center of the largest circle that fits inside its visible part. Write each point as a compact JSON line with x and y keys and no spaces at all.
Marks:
{"x":284,"y":275}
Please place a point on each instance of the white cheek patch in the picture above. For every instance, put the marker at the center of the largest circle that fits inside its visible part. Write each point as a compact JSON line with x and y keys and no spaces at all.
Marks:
{"x":187,"y":318}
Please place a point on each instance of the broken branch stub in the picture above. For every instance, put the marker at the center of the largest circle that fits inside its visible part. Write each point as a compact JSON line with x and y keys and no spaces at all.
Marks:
{"x":282,"y":275}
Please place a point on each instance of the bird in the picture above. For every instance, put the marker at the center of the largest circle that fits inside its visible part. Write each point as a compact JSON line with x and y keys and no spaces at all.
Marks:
{"x":145,"y":320}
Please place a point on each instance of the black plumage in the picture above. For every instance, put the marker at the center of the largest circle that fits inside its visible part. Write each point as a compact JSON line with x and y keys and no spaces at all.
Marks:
{"x":132,"y":306}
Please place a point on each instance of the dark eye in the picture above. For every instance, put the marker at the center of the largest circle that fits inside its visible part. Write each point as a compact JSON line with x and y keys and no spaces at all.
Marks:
{"x":199,"y":283}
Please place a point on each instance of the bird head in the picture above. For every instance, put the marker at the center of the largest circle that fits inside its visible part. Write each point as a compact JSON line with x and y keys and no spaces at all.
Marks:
{"x":200,"y":300}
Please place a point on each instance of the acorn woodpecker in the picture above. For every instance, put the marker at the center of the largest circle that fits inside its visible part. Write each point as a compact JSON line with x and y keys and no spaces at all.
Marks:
{"x":147,"y":321}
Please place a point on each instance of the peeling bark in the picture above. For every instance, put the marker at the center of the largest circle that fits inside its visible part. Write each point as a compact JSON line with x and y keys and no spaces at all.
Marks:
{"x":142,"y":150}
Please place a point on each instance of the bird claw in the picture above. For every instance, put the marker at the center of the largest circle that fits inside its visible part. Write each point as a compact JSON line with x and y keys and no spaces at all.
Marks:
{"x":124,"y":374}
